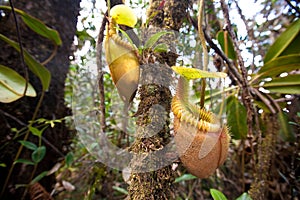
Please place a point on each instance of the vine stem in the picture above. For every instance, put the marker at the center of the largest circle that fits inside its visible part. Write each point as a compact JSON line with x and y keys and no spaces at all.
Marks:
{"x":204,"y":47}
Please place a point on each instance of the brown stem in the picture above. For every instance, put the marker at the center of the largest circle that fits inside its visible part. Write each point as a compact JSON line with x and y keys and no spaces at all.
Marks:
{"x":246,"y":96}
{"x":233,"y":72}
{"x":100,"y":73}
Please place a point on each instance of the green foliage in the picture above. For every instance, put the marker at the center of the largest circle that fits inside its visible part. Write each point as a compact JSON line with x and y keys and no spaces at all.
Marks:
{"x":12,"y":85}
{"x":284,"y":43}
{"x":185,"y":177}
{"x":154,"y":39}
{"x":37,"y":26}
{"x":39,"y":177}
{"x":217,"y":195}
{"x":28,"y":145}
{"x":279,"y":65}
{"x":226,"y":44}
{"x":38,"y":154}
{"x":286,"y":132}
{"x":236,"y":118}
{"x":36,"y":67}
{"x":285,"y":85}
{"x":119,"y":189}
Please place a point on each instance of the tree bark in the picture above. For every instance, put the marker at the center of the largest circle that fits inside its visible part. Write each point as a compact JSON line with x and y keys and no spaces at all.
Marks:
{"x":62,"y":16}
{"x":156,"y":79}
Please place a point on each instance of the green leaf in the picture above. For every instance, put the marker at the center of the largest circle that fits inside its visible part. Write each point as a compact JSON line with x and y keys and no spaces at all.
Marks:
{"x":28,"y":145}
{"x":2,"y":165}
{"x":38,"y":154}
{"x":24,"y":161}
{"x":244,"y":196}
{"x":126,"y":35}
{"x":12,"y":85}
{"x":37,"y":26}
{"x":217,"y":195}
{"x":286,"y":131}
{"x":154,"y":38}
{"x":185,"y":177}
{"x":35,"y":131}
{"x":285,"y":85}
{"x":121,"y":190}
{"x":193,"y":73}
{"x":37,"y":68}
{"x":280,"y":65}
{"x":69,"y":159}
{"x":283,"y":41}
{"x":227,"y":46}
{"x":39,"y":177}
{"x":161,"y":48}
{"x":236,"y":118}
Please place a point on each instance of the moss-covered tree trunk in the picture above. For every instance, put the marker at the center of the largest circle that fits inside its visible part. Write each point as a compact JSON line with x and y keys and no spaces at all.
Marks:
{"x":62,"y":16}
{"x":153,"y":120}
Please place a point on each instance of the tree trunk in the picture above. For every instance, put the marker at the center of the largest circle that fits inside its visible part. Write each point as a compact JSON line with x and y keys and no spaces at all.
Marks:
{"x":62,"y":16}
{"x":149,"y":180}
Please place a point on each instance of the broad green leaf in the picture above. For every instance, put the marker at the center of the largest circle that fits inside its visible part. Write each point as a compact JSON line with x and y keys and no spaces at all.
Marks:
{"x":293,"y":48}
{"x":12,"y":85}
{"x":285,"y":85}
{"x":236,"y":118}
{"x":283,"y":41}
{"x":185,"y":177}
{"x":280,"y":65}
{"x":121,"y":190}
{"x":37,"y":26}
{"x":35,"y":131}
{"x":244,"y":196}
{"x":38,"y":154}
{"x":37,"y":68}
{"x":39,"y":177}
{"x":227,"y":46}
{"x":154,"y":38}
{"x":290,"y":80}
{"x":217,"y":195}
{"x":193,"y":73}
{"x":24,"y":161}
{"x":28,"y":145}
{"x":286,"y":132}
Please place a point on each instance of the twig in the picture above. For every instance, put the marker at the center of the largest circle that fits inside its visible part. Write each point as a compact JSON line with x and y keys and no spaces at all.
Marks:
{"x":246,"y":96}
{"x":249,"y":31}
{"x":21,"y":46}
{"x":233,"y":73}
{"x":292,"y":6}
{"x":51,"y":56}
{"x":204,"y":48}
{"x":101,"y":73}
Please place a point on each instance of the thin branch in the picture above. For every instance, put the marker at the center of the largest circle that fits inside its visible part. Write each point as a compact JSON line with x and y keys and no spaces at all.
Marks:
{"x":204,"y":48}
{"x":101,"y":73}
{"x":21,"y":46}
{"x":233,"y":73}
{"x":51,"y":56}
{"x":246,"y":96}
{"x":249,"y":31}
{"x":293,"y":7}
